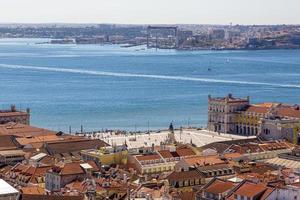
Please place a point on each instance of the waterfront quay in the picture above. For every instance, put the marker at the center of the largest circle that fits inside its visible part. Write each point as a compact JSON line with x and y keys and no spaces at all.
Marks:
{"x":197,"y":137}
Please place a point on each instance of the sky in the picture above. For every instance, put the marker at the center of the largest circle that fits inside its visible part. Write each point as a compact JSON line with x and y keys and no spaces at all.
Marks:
{"x":151,"y":11}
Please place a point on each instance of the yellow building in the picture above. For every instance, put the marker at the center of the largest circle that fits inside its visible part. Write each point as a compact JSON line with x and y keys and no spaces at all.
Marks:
{"x":107,"y":155}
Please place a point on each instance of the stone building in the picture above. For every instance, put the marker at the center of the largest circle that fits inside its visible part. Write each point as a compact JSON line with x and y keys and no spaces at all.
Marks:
{"x":268,"y":120}
{"x":13,"y":115}
{"x":222,"y":112}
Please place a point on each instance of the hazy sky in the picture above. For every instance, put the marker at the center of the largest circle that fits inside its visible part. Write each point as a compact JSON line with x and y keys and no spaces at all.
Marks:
{"x":151,"y":11}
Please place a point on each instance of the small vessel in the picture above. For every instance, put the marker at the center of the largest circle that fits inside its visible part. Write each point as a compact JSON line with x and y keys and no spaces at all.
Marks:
{"x":209,"y":69}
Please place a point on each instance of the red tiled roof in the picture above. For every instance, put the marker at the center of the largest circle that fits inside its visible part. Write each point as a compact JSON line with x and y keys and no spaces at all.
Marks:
{"x":72,"y":145}
{"x":148,"y":157}
{"x":32,"y":190}
{"x":165,"y":154}
{"x":219,"y":187}
{"x":6,"y":143}
{"x":203,"y":160}
{"x":250,"y":189}
{"x":257,"y":109}
{"x":288,"y":112}
{"x":73,"y":168}
{"x":186,"y":195}
{"x":45,"y":138}
{"x":23,"y":130}
{"x":273,"y":146}
{"x":233,"y":155}
{"x":184,"y":175}
{"x":39,"y":172}
{"x":185,"y":152}
{"x":281,"y":109}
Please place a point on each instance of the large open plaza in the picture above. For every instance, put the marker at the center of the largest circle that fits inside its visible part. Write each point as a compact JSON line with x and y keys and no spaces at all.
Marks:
{"x":136,"y":140}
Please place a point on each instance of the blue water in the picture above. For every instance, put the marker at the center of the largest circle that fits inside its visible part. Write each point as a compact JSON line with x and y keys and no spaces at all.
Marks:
{"x":113,"y":87}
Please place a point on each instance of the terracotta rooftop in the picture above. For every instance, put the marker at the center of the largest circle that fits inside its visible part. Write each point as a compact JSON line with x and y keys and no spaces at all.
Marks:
{"x":33,"y":174}
{"x":203,"y":160}
{"x":219,"y":186}
{"x":274,"y":146}
{"x":257,"y":109}
{"x":186,"y":195}
{"x":32,"y":190}
{"x":7,"y":143}
{"x":281,"y":109}
{"x":214,"y":167}
{"x":184,"y":175}
{"x":232,"y":155}
{"x":28,"y":140}
{"x":185,"y":152}
{"x":249,"y":189}
{"x":73,"y":168}
{"x":72,"y":145}
{"x":47,"y":160}
{"x":245,"y":148}
{"x":165,"y":154}
{"x":180,"y":152}
{"x":148,"y":157}
{"x":23,"y":130}
{"x":289,"y":111}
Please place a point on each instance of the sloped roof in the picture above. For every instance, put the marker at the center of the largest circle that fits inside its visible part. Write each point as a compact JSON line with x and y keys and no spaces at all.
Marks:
{"x":148,"y":157}
{"x":44,"y":138}
{"x":219,"y":186}
{"x":5,"y":188}
{"x":7,"y":143}
{"x":203,"y":160}
{"x":73,"y":145}
{"x":73,"y":168}
{"x":184,"y":175}
{"x":32,"y":190}
{"x":249,"y":189}
{"x":23,"y":130}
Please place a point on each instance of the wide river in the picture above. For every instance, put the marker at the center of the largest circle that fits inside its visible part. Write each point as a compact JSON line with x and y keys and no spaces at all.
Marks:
{"x":104,"y":87}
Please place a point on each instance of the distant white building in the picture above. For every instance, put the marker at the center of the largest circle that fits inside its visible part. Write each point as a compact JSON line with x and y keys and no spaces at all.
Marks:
{"x":7,"y":192}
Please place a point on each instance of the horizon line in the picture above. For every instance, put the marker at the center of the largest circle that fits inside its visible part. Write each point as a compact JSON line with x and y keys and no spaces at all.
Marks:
{"x":141,"y":24}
